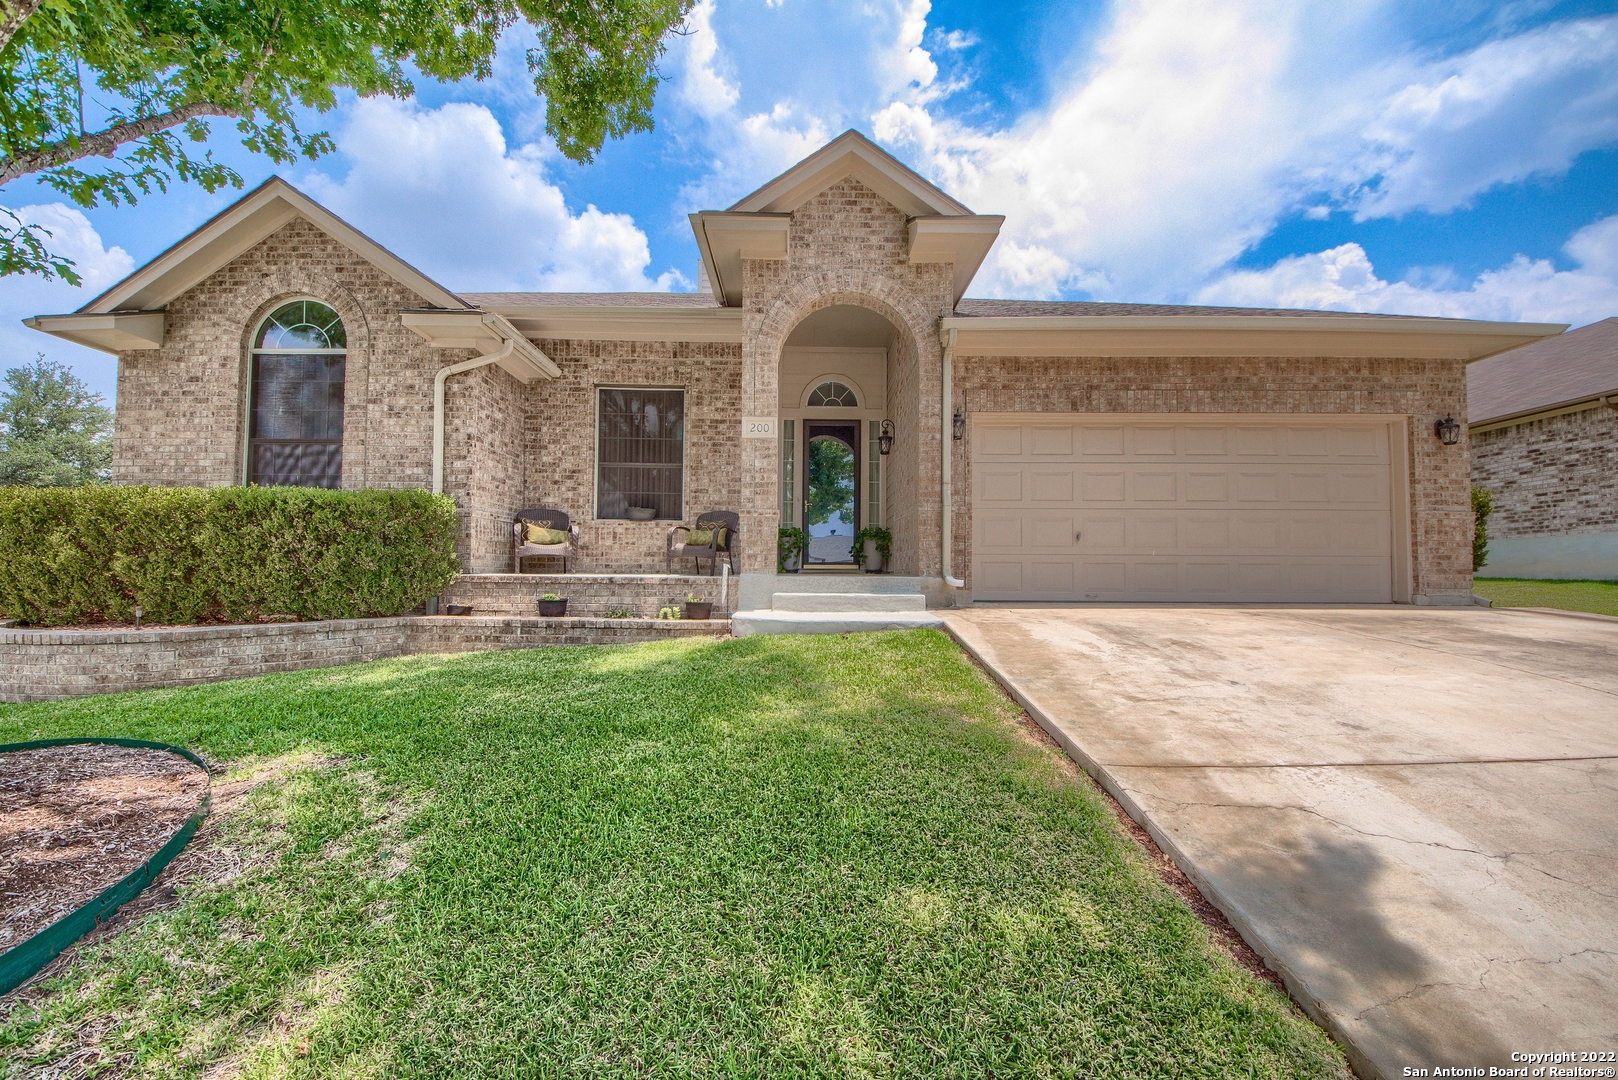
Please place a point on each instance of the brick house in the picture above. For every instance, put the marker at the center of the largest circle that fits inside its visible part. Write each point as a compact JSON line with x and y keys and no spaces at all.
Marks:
{"x":1039,"y":450}
{"x":1544,"y":430}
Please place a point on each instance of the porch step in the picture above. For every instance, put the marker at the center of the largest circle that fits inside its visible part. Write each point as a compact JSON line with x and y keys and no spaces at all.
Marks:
{"x":747,"y":623}
{"x":863,"y":602}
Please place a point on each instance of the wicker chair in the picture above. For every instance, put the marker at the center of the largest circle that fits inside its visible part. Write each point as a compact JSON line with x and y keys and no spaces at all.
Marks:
{"x":548,"y":519}
{"x":715,"y":520}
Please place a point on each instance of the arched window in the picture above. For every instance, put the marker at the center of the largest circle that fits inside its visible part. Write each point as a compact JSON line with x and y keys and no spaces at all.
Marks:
{"x":833,"y":395}
{"x":295,"y":426}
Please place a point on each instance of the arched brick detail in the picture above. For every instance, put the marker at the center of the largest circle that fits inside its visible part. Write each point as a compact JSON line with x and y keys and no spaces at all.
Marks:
{"x":910,"y":507}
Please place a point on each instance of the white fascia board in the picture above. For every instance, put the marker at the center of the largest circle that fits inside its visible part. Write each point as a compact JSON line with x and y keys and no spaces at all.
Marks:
{"x":595,"y":323}
{"x":237,"y":228}
{"x":1241,"y":335}
{"x":125,"y":331}
{"x":483,"y":332}
{"x":726,"y":238}
{"x":964,"y":241}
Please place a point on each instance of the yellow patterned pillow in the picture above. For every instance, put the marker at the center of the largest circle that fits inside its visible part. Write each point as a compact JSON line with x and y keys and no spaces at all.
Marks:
{"x":699,"y":537}
{"x":543,"y":535}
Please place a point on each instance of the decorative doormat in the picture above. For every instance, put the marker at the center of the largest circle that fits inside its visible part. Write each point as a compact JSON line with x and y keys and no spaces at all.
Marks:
{"x":84,"y":826}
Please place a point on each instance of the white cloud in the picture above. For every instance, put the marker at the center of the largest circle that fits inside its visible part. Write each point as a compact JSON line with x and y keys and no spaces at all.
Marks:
{"x":510,"y":227}
{"x":100,"y":266}
{"x":907,"y":63}
{"x":701,"y":86}
{"x":1195,"y":128}
{"x":1532,"y":290}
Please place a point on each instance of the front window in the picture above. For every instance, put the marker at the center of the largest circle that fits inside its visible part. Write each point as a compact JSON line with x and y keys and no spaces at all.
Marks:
{"x":640,"y":453}
{"x":295,"y":425}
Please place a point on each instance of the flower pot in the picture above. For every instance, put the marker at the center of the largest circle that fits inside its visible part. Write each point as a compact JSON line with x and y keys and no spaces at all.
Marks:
{"x":457,"y":609}
{"x":873,"y":558}
{"x":553,"y":608}
{"x":700,"y":609}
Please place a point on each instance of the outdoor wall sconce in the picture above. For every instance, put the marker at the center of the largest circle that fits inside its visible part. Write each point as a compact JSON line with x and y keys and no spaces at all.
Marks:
{"x":1448,"y":431}
{"x":884,"y":441}
{"x":959,"y":426}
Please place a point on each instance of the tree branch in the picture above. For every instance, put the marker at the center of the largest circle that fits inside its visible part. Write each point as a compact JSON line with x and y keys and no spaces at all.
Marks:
{"x":105,"y":143}
{"x":15,"y":13}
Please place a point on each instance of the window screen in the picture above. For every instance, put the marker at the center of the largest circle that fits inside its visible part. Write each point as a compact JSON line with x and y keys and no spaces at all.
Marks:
{"x":640,"y":452}
{"x":295,"y":426}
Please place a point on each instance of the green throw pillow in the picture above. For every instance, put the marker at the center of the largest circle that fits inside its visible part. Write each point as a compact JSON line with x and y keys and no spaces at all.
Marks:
{"x":722,"y":543}
{"x":543,"y":537}
{"x":699,"y":537}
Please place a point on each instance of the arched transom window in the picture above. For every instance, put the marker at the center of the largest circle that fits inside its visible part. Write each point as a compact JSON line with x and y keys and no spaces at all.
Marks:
{"x":833,"y":395}
{"x":295,"y":427}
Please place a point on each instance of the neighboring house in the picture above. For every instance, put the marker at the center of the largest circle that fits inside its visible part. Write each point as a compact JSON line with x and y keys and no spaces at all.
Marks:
{"x":1544,"y":432}
{"x":1092,"y":451}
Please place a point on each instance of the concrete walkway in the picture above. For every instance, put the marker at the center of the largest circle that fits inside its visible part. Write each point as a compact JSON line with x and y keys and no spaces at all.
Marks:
{"x":1411,"y":813}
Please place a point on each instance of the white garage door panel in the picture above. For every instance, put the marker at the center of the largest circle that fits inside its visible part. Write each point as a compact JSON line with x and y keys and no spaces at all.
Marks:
{"x":1256,"y":509}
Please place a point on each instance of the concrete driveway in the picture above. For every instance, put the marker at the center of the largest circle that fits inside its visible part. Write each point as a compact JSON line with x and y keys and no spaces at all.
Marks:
{"x":1411,"y":813}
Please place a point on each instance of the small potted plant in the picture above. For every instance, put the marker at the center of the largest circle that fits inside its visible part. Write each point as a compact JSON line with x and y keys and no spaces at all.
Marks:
{"x":789,"y":549}
{"x":552,"y":605}
{"x":873,"y":548}
{"x":697,"y":608}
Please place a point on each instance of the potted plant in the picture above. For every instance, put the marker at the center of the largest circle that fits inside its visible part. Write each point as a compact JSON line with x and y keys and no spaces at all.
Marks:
{"x":873,"y":548}
{"x":697,"y":608}
{"x":552,"y":605}
{"x":789,"y":549}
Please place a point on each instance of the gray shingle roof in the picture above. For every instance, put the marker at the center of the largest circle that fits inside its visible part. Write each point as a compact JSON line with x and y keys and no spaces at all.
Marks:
{"x":1572,"y":367}
{"x":566,"y":299}
{"x":971,"y":308}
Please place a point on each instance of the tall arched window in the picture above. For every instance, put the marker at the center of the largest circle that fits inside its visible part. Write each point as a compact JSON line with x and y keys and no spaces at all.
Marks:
{"x":295,"y":427}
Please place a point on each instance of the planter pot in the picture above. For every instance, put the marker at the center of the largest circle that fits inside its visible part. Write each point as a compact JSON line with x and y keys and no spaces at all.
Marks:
{"x":641,"y":513}
{"x":873,"y":558}
{"x":700,"y":610}
{"x":553,"y":608}
{"x":792,"y":565}
{"x":457,"y":609}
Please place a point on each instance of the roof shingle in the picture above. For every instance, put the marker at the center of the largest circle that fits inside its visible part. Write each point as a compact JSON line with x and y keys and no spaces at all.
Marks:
{"x":1572,"y":367}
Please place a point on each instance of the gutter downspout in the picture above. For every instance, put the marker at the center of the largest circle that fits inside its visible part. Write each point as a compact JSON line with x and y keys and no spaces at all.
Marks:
{"x":438,"y":403}
{"x":947,"y":434}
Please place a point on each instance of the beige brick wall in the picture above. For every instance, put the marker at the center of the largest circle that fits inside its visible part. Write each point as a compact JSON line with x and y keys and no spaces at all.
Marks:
{"x":559,"y":459}
{"x":1556,"y":476}
{"x":1441,"y":519}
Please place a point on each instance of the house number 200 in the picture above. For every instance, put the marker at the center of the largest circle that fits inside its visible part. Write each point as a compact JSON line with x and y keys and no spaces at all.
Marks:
{"x":758,"y":427}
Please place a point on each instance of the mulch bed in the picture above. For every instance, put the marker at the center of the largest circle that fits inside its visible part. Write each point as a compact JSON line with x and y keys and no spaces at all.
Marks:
{"x":75,"y":820}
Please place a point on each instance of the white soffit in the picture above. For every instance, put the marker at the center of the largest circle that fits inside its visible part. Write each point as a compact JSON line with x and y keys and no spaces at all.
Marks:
{"x":852,"y":154}
{"x":123,"y":332}
{"x":726,"y":238}
{"x":1241,"y":335}
{"x":962,"y":240}
{"x":238,"y":227}
{"x":484,"y":333}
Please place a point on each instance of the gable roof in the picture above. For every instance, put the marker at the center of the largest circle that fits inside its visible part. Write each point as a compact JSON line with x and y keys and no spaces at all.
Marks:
{"x":1569,"y":369}
{"x":238,"y":227}
{"x":852,"y":154}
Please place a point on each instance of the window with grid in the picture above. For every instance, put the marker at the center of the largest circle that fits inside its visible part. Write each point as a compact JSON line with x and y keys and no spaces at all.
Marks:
{"x":640,"y":452}
{"x":295,"y":415}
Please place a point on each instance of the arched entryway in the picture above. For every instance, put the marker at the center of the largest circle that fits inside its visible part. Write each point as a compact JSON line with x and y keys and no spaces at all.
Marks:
{"x":834,"y":377}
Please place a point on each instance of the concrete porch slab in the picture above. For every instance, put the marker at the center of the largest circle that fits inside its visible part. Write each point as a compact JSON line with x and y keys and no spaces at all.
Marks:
{"x":1412,"y":814}
{"x":747,"y":623}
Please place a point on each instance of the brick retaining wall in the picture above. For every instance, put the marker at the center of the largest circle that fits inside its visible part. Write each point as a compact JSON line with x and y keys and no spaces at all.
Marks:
{"x":43,"y":665}
{"x":588,"y":595}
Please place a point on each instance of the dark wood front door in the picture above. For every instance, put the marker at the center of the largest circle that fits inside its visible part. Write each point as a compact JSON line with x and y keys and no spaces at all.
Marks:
{"x":831,"y":490}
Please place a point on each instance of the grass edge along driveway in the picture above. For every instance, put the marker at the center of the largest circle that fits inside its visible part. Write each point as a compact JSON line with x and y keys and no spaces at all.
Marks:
{"x":781,"y":856}
{"x":1596,"y":597}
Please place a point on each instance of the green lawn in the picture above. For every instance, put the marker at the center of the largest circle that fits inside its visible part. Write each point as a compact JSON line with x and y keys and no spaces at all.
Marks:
{"x":795,"y":856}
{"x":1600,"y":597}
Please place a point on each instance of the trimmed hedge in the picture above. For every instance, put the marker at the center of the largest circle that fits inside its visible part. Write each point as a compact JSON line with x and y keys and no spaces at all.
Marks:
{"x":185,"y":555}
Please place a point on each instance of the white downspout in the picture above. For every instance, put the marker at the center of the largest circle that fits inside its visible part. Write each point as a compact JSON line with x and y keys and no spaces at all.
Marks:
{"x":438,"y":403}
{"x":946,"y":430}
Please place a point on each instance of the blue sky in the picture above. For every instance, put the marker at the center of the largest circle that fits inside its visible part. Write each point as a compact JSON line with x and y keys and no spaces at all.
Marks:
{"x":1447,"y":159}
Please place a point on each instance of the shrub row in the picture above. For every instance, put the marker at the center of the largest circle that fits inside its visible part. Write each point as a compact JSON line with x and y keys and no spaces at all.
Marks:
{"x":184,"y":555}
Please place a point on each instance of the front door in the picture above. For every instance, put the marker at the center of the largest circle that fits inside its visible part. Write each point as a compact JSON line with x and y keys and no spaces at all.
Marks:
{"x":831,"y":490}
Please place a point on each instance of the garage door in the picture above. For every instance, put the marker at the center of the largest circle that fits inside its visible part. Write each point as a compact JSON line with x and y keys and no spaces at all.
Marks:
{"x":1286,"y":509}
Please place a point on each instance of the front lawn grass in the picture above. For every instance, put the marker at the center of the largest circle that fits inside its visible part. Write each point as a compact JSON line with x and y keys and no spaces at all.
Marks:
{"x":775,"y":856}
{"x":1600,"y":597}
